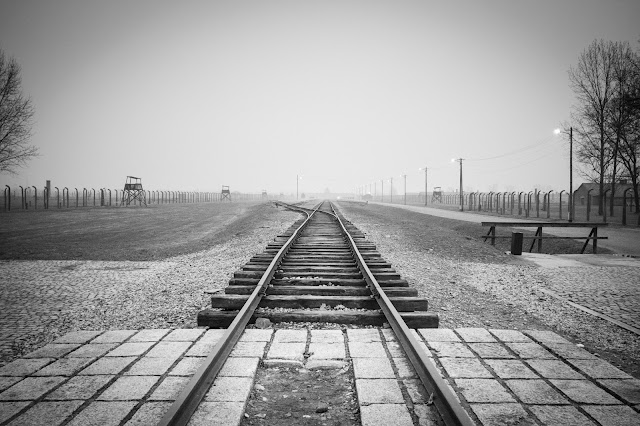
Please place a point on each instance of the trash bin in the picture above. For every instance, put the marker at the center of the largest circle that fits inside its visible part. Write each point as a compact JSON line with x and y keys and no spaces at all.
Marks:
{"x":516,"y":243}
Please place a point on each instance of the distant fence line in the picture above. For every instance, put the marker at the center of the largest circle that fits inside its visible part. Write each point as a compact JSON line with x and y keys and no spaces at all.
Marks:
{"x":27,"y":198}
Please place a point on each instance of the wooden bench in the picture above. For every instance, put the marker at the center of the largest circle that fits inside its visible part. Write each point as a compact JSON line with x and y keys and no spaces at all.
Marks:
{"x":593,"y":235}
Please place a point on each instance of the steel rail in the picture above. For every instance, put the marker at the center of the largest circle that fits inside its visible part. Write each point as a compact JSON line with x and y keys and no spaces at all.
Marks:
{"x":187,"y":402}
{"x":444,"y":398}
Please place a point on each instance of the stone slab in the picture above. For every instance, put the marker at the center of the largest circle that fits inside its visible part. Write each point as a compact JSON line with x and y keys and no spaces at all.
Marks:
{"x":230,"y":389}
{"x":287,"y":350}
{"x":149,"y":414}
{"x":184,"y":335}
{"x":364,"y":335}
{"x":324,"y":350}
{"x":239,"y":367}
{"x":80,"y":387}
{"x":438,"y":335}
{"x":385,"y":414}
{"x":128,"y":388}
{"x":483,"y":390}
{"x":218,"y":414}
{"x":187,"y":366}
{"x":46,"y":412}
{"x":477,"y":335}
{"x":378,"y":391}
{"x":536,"y":392}
{"x":108,"y":365}
{"x":290,"y":336}
{"x":103,"y":413}
{"x":31,"y":388}
{"x":169,"y":388}
{"x":511,"y":369}
{"x":372,"y":368}
{"x":256,"y":335}
{"x":327,"y":336}
{"x":114,"y":336}
{"x":149,"y":335}
{"x":366,"y":349}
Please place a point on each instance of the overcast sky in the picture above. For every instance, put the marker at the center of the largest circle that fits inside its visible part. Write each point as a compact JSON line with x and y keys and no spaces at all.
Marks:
{"x":193,"y":95}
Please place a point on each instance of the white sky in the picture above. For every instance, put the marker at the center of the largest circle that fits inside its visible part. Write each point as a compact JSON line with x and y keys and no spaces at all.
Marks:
{"x":193,"y":95}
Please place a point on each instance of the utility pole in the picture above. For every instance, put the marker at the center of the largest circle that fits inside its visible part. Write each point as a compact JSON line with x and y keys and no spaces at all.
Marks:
{"x":426,"y":197}
{"x":571,"y":211}
{"x":391,"y":191}
{"x":461,"y":194}
{"x":382,"y":190}
{"x":405,"y":189}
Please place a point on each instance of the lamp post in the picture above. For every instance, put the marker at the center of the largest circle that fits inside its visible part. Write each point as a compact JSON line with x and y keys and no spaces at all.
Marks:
{"x":571,"y":206}
{"x":461,"y":193}
{"x":425,"y":184}
{"x":405,"y":189}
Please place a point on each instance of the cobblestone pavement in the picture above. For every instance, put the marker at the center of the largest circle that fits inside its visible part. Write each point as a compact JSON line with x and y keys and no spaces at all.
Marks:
{"x":131,"y":377}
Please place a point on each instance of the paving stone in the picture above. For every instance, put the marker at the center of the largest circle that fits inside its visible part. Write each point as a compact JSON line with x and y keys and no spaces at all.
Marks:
{"x":510,"y":335}
{"x":282,"y":363}
{"x":31,"y":388}
{"x":583,"y":391}
{"x":128,"y":388}
{"x":389,"y":335}
{"x":149,"y":335}
{"x":535,"y":392}
{"x":131,"y":349}
{"x":8,"y":381}
{"x":385,"y":414}
{"x":417,"y":393}
{"x":114,"y":336}
{"x":502,"y":414}
{"x":554,"y":369}
{"x":77,"y":337}
{"x":483,"y":390}
{"x":287,"y":350}
{"x":569,"y":350}
{"x":201,"y":349}
{"x":469,"y":335}
{"x":218,"y":414}
{"x":511,"y":369}
{"x":599,"y":369}
{"x":290,"y":336}
{"x":9,"y":409}
{"x":545,"y":336}
{"x":80,"y":387}
{"x":438,"y":335}
{"x":24,"y":367}
{"x":239,"y":367}
{"x":169,"y":388}
{"x":363,"y":335}
{"x":404,"y":368}
{"x":378,"y":391}
{"x":214,"y":335}
{"x":64,"y":367}
{"x":108,"y":365}
{"x":325,"y":364}
{"x":629,"y":390}
{"x":168,"y":349}
{"x":530,"y":350}
{"x":147,"y":366}
{"x":366,"y":349}
{"x":184,"y":335}
{"x":149,"y":414}
{"x":102,"y":413}
{"x":49,"y":413}
{"x":451,"y":349}
{"x":256,"y":335}
{"x":490,"y":350}
{"x":92,"y":350}
{"x":372,"y":368}
{"x":465,"y":368}
{"x":327,"y":336}
{"x":249,"y":349}
{"x":53,"y":350}
{"x":230,"y":389}
{"x":427,"y":415}
{"x":560,"y":415}
{"x":322,"y":350}
{"x":613,"y":416}
{"x":395,"y":350}
{"x":187,"y":366}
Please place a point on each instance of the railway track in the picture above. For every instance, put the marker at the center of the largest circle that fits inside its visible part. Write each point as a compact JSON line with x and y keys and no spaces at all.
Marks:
{"x":321,"y":270}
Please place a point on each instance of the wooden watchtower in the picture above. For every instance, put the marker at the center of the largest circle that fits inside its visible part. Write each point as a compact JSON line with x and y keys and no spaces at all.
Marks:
{"x":436,"y":195}
{"x":133,"y":191}
{"x":225,"y":194}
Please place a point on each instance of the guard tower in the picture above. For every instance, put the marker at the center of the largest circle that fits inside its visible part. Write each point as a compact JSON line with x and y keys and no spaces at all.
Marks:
{"x":225,"y":194}
{"x":264,"y":194}
{"x":133,"y":191}
{"x":437,"y":194}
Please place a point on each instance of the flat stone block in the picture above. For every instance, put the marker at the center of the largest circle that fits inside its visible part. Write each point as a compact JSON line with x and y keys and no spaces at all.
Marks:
{"x":372,"y":368}
{"x":91,"y":350}
{"x":8,"y":381}
{"x":427,"y":414}
{"x":327,"y":350}
{"x":327,"y":336}
{"x":101,"y":413}
{"x":545,"y":336}
{"x":31,"y":388}
{"x":80,"y":387}
{"x":325,"y":364}
{"x":465,"y":368}
{"x":288,"y":350}
{"x":599,"y":369}
{"x":24,"y":367}
{"x":417,"y":393}
{"x":483,"y":390}
{"x":629,"y":390}
{"x":149,"y":335}
{"x":385,"y":414}
{"x":9,"y":409}
{"x":451,"y":349}
{"x":502,"y":414}
{"x":554,"y":369}
{"x":510,"y":335}
{"x":64,"y":367}
{"x":364,"y":335}
{"x":511,"y":369}
{"x":131,"y":349}
{"x":366,"y":349}
{"x":256,"y":335}
{"x":230,"y":389}
{"x":150,"y":366}
{"x":490,"y":350}
{"x":114,"y":336}
{"x":49,"y":413}
{"x":187,"y":366}
{"x":530,"y":350}
{"x":613,"y":416}
{"x":108,"y":365}
{"x":53,"y":350}
{"x":149,"y":414}
{"x":439,"y":335}
{"x":480,"y":335}
{"x":168,"y":349}
{"x":569,"y":350}
{"x":389,"y":335}
{"x":239,"y":367}
{"x":184,"y":335}
{"x":213,"y":335}
{"x":169,"y":388}
{"x":535,"y":392}
{"x":218,"y":414}
{"x":290,"y":336}
{"x":395,"y":350}
{"x":249,"y":349}
{"x":282,"y":363}
{"x":201,"y":349}
{"x":378,"y":391}
{"x":77,"y":337}
{"x":560,"y":415}
{"x":128,"y":388}
{"x":404,"y":367}
{"x":583,"y":391}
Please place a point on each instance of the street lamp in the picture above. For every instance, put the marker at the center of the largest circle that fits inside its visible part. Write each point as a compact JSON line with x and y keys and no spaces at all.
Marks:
{"x":571,"y":206}
{"x":425,"y":184}
{"x":461,"y":194}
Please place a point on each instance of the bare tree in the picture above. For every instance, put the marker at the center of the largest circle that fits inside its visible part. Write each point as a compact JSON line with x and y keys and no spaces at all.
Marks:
{"x":16,"y":115}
